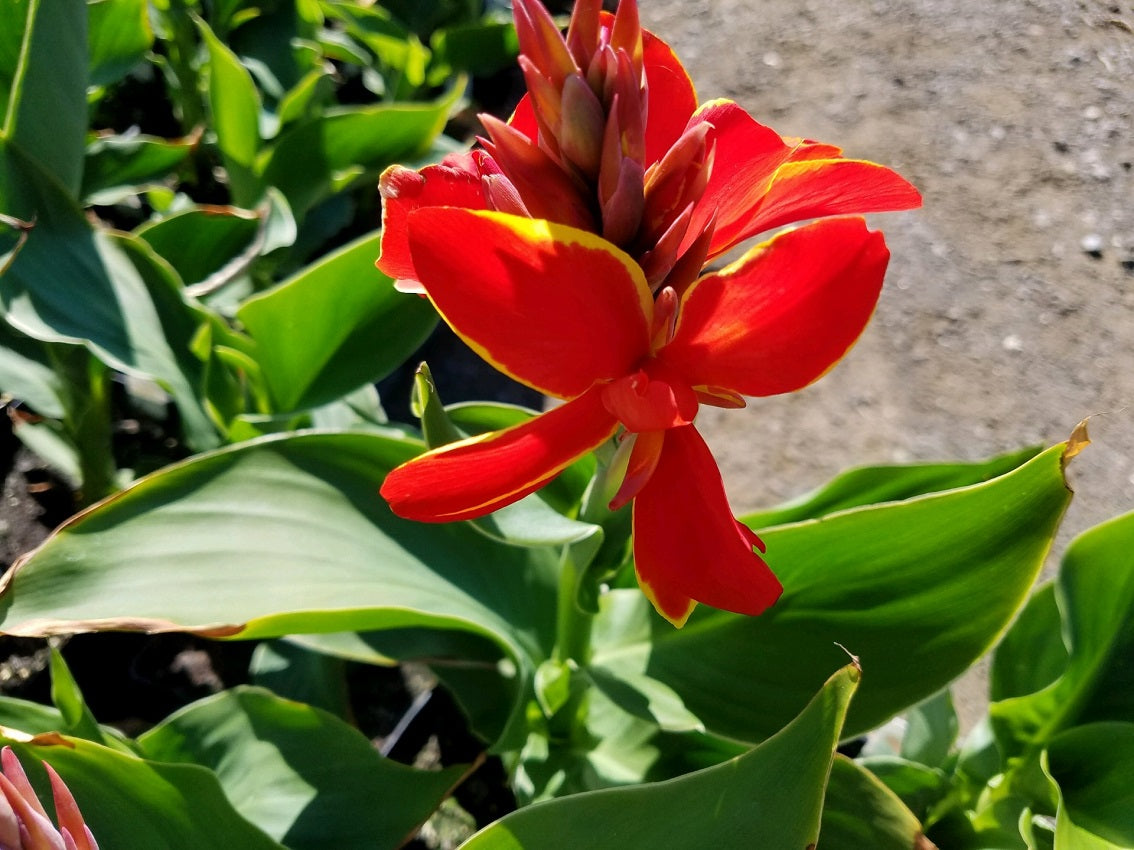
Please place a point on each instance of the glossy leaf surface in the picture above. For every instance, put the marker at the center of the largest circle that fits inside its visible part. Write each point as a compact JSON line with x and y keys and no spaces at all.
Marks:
{"x":769,"y":797}
{"x":306,"y":778}
{"x":865,"y":579}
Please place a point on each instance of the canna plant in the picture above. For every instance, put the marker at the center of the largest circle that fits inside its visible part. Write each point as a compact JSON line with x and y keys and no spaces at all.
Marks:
{"x":546,"y":566}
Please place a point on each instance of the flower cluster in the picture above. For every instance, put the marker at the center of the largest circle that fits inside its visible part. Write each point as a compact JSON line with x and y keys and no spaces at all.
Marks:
{"x":24,"y":824}
{"x":570,"y":252}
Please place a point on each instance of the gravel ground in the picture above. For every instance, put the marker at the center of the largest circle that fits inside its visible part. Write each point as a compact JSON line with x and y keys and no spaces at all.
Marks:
{"x":1008,"y":313}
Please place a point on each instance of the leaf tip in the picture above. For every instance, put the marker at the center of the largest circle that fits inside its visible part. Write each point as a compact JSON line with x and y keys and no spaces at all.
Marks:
{"x":1078,"y":441}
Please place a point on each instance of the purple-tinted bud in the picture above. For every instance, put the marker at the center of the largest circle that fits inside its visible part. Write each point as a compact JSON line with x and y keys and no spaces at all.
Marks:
{"x":502,"y":196}
{"x":546,"y":189}
{"x":692,"y":258}
{"x":541,"y":42}
{"x":581,"y":126}
{"x":677,"y":181}
{"x":583,"y":32}
{"x":659,"y":260}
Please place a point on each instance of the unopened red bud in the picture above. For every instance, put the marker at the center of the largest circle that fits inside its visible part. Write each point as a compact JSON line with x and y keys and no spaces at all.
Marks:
{"x":622,"y":209}
{"x":581,"y":126}
{"x":546,"y":103}
{"x":659,"y":260}
{"x":541,"y":42}
{"x":678,"y":180}
{"x":583,"y":31}
{"x":545,"y":189}
{"x":627,"y":34}
{"x":627,"y":100}
{"x":502,"y":196}
{"x":691,"y":258}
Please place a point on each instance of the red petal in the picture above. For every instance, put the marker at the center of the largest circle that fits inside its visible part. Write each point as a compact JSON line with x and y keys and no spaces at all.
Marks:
{"x":671,"y":97}
{"x":455,"y":182}
{"x":479,"y":475}
{"x":782,"y":315}
{"x":687,"y":544}
{"x":803,"y":189}
{"x":554,"y":307}
{"x":746,"y":156}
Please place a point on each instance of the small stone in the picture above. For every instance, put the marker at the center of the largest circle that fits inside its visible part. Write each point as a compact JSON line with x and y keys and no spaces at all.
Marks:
{"x":772,"y":59}
{"x":1092,"y":245}
{"x":1012,"y":343}
{"x":1092,"y":113}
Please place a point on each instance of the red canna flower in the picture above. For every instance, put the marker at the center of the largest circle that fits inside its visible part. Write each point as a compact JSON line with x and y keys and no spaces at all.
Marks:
{"x":675,"y":186}
{"x":568,"y":313}
{"x":569,"y":253}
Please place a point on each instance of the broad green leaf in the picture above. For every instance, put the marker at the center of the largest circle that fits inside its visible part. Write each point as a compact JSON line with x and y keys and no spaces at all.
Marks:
{"x":480,"y":49}
{"x":860,"y":812}
{"x":1095,"y":595}
{"x":931,"y":730}
{"x":26,"y":373}
{"x":300,"y":774}
{"x":282,"y":535}
{"x":28,"y":717}
{"x":117,"y":167}
{"x":647,"y":699}
{"x":43,"y":74}
{"x":770,"y":797}
{"x":118,"y":34}
{"x":872,"y":485}
{"x":235,"y":106}
{"x":202,"y":241}
{"x":867,"y":579}
{"x":313,"y":160}
{"x":1092,"y":766}
{"x":295,"y":672}
{"x":333,"y":327}
{"x":130,"y":802}
{"x":917,"y":786}
{"x":76,"y":284}
{"x":1032,"y":654}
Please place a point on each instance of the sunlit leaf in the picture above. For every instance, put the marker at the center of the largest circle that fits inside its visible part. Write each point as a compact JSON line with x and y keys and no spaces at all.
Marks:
{"x":1091,"y":764}
{"x":129,"y":802}
{"x":280,"y":536}
{"x":117,"y":167}
{"x":119,"y":34}
{"x":865,"y":579}
{"x":769,"y":797}
{"x":303,"y":776}
{"x":860,"y":812}
{"x":1095,"y":595}
{"x":336,"y":325}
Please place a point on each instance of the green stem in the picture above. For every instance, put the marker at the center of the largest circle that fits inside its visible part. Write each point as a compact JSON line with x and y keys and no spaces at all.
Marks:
{"x":574,"y":625}
{"x":88,"y":420}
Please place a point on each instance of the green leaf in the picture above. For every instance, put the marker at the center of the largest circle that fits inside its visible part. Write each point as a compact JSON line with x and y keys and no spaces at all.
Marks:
{"x":917,"y":786}
{"x":300,"y":774}
{"x":647,"y":699}
{"x":76,"y":284}
{"x":292,"y":671}
{"x":931,"y":730}
{"x":1095,"y":595}
{"x":1032,"y":654}
{"x":66,"y":696}
{"x":872,"y":485}
{"x":43,"y":74}
{"x":313,"y":160}
{"x":26,"y":373}
{"x":281,"y":535}
{"x":865,"y":579}
{"x":202,"y":241}
{"x":770,"y":797}
{"x":118,"y":167}
{"x":354,"y":326}
{"x":235,"y":105}
{"x":129,"y":802}
{"x":1092,"y":766}
{"x":480,"y":49}
{"x":118,"y":34}
{"x":860,"y":812}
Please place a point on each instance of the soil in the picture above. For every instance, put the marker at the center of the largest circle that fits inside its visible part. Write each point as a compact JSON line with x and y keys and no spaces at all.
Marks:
{"x":1008,"y":313}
